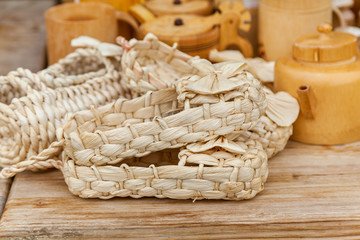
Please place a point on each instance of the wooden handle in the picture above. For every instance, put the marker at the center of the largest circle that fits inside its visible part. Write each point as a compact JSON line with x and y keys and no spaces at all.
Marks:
{"x":307,"y":101}
{"x":229,"y":35}
{"x":338,"y":13}
{"x":125,"y":17}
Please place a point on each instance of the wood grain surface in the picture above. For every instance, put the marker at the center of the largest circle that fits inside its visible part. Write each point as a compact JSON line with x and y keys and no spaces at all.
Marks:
{"x":22,"y":34}
{"x":312,"y":191}
{"x":4,"y":191}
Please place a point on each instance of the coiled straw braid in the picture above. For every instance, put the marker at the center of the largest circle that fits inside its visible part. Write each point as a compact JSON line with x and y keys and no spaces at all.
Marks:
{"x":33,"y":106}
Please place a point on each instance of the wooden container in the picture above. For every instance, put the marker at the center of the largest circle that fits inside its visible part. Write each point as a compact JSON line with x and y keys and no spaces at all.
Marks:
{"x":196,"y":38}
{"x":283,"y":21}
{"x":324,"y":74}
{"x":70,"y":20}
{"x":171,"y":7}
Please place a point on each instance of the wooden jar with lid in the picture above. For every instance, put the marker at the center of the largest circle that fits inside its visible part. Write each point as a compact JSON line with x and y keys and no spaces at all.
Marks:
{"x":171,"y":7}
{"x":198,"y":35}
{"x":194,"y":37}
{"x":323,"y":73}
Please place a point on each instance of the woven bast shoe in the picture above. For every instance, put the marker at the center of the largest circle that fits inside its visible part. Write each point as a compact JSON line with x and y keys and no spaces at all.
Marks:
{"x":99,"y":144}
{"x":143,"y":64}
{"x":97,"y":141}
{"x":33,"y":106}
{"x":167,"y":118}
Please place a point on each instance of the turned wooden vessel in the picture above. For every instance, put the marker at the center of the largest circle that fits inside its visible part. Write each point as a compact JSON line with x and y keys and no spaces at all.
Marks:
{"x":198,"y":35}
{"x":171,"y":7}
{"x":98,"y":20}
{"x":193,"y":38}
{"x":323,"y":73}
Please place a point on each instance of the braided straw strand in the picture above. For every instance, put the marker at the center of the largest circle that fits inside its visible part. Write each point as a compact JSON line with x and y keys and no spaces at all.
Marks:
{"x":42,"y":161}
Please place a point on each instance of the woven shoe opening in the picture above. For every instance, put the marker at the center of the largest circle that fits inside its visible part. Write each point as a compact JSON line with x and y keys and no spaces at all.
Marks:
{"x":81,"y":65}
{"x":161,"y":158}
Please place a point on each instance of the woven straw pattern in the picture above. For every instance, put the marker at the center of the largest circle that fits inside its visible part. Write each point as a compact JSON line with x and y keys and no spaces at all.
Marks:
{"x":213,"y":174}
{"x":151,"y":65}
{"x":33,"y":106}
{"x":272,"y":137}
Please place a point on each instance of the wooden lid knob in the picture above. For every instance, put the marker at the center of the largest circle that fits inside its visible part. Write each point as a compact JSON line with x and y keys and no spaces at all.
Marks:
{"x":325,"y":28}
{"x":325,"y":46}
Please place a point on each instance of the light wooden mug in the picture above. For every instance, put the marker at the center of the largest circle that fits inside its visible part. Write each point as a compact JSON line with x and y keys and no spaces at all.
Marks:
{"x":70,"y":20}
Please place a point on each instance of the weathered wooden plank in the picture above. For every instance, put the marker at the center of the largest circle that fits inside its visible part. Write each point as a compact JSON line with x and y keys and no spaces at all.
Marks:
{"x":312,"y":191}
{"x":4,"y":191}
{"x":22,"y":31}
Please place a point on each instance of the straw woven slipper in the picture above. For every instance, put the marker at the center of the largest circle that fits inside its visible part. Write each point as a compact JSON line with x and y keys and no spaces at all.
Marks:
{"x":143,"y":71}
{"x":101,"y":144}
{"x":34,"y":105}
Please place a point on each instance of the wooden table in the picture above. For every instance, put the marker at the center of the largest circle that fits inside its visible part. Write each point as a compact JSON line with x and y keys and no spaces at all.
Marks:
{"x":312,"y":191}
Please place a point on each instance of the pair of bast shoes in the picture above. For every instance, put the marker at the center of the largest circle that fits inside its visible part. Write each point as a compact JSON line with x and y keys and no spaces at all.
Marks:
{"x":195,"y":130}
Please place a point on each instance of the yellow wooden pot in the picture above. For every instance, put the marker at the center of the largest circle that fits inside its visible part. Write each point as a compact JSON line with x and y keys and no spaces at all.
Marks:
{"x":171,"y":7}
{"x":196,"y":38}
{"x":323,"y":73}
